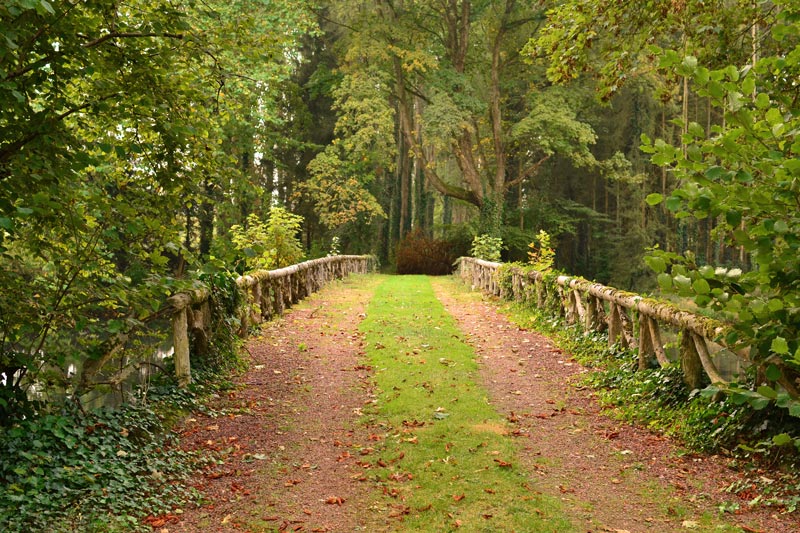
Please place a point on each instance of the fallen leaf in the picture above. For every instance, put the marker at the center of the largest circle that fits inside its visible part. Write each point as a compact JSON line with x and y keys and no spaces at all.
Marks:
{"x":226,"y":519}
{"x":502,"y":464}
{"x":335,"y":500}
{"x":400,"y":511}
{"x":488,"y":491}
{"x":458,"y":497}
{"x":690,"y":524}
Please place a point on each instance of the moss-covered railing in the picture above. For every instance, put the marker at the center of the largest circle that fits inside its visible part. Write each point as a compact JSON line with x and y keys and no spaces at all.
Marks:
{"x":268,"y":293}
{"x":629,"y":319}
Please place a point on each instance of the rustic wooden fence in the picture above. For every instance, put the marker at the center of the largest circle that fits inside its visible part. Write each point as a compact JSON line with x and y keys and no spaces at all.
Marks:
{"x":268,"y":293}
{"x":631,"y":320}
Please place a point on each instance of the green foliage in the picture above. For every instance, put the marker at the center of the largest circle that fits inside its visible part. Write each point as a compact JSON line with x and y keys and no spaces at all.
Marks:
{"x":745,"y":175}
{"x":505,"y":275}
{"x":362,"y":151}
{"x":335,"y":246}
{"x":120,"y":127}
{"x":541,"y":256}
{"x":418,"y":253}
{"x":272,"y":244}
{"x":221,"y":354}
{"x":93,"y":472}
{"x":486,"y":247}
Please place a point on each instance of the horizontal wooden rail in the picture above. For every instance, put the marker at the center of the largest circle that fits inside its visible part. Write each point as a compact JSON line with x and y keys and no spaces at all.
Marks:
{"x":600,"y":308}
{"x":267,"y":294}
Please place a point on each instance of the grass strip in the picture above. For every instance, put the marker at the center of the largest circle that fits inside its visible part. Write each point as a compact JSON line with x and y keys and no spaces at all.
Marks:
{"x":443,"y":455}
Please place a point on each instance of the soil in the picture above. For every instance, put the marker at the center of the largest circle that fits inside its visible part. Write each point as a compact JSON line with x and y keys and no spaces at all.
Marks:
{"x":289,"y":437}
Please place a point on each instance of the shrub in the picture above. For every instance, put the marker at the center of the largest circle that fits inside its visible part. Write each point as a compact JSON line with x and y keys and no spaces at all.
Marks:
{"x":419,"y":254}
{"x":486,"y":247}
{"x":541,"y":255}
{"x":269,"y":245}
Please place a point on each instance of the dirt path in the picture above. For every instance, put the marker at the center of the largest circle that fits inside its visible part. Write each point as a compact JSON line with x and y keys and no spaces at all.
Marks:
{"x":293,"y":450}
{"x":614,"y":476}
{"x":291,"y":441}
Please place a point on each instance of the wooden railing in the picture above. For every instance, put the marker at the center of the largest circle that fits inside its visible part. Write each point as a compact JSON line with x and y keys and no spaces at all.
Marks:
{"x":268,"y":293}
{"x":631,"y":320}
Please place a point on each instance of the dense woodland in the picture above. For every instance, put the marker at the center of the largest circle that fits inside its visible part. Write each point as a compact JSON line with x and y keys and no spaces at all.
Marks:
{"x":146,"y":146}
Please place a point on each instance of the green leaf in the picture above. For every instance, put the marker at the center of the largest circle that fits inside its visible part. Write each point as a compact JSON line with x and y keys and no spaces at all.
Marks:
{"x":759,"y":403}
{"x":690,"y":63}
{"x":773,"y":373}
{"x":779,"y":346}
{"x":774,"y":117}
{"x":782,"y":440}
{"x":665,"y":281}
{"x":762,"y":101}
{"x":657,"y":264}
{"x":654,"y":198}
{"x":733,"y":218}
{"x":701,"y":286}
{"x":707,"y":271}
{"x":673,"y":203}
{"x":767,"y":392}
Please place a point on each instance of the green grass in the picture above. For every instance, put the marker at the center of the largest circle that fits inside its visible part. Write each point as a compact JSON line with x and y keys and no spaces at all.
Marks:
{"x":442,"y":452}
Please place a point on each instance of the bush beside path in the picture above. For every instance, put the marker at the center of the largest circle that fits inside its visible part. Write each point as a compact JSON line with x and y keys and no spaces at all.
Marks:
{"x":350,"y":418}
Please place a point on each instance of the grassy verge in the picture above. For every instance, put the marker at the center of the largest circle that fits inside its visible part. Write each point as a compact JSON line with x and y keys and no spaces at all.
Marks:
{"x":442,"y":452}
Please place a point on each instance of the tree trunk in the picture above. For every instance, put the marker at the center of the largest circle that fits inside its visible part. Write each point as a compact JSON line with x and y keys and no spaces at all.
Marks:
{"x":206,"y":219}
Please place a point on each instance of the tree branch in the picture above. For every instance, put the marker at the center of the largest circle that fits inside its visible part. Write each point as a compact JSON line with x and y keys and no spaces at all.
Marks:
{"x":129,"y":35}
{"x":530,"y":171}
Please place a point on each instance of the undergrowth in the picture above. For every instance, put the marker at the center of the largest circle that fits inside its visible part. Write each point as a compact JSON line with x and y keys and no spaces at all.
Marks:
{"x":703,"y":421}
{"x":102,"y":470}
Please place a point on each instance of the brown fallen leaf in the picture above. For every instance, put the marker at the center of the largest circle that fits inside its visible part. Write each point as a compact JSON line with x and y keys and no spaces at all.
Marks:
{"x":488,"y":491}
{"x":502,"y":464}
{"x":335,"y":500}
{"x":399,"y":511}
{"x":458,"y":497}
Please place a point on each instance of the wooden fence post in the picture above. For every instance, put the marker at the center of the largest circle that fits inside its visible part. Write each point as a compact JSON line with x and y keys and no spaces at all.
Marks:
{"x":690,"y":361}
{"x":645,"y":343}
{"x":180,"y":343}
